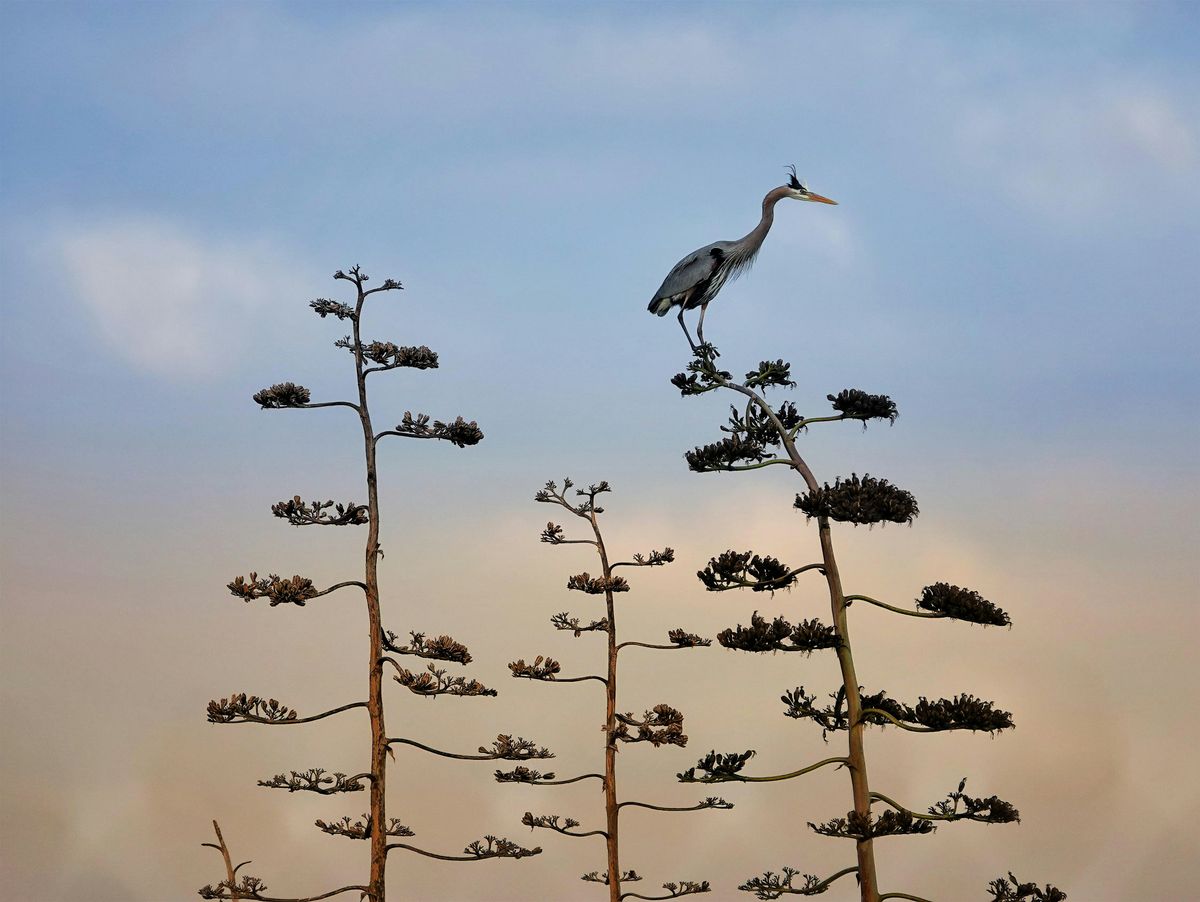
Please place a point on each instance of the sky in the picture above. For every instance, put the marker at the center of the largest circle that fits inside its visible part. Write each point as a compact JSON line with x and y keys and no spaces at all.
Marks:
{"x":1012,"y":259}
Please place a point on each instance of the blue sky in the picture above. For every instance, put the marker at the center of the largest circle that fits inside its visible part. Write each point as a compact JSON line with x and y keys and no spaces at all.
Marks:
{"x":1013,"y":259}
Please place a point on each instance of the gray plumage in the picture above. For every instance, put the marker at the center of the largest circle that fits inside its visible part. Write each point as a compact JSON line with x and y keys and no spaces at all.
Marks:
{"x":696,"y":279}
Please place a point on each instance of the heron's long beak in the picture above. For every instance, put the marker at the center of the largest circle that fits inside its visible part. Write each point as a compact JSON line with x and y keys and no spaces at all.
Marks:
{"x":821,"y":200}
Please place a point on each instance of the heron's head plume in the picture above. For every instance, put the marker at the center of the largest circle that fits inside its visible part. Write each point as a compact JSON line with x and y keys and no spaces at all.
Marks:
{"x":799,"y":190}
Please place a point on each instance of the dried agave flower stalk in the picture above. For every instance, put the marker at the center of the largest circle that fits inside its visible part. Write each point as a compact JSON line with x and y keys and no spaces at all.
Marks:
{"x":658,"y":726}
{"x":759,"y":435}
{"x":374,"y":826}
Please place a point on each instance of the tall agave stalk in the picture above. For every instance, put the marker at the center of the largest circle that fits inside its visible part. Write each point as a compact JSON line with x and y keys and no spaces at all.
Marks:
{"x":661,"y":725}
{"x":760,"y":435}
{"x":374,"y":827}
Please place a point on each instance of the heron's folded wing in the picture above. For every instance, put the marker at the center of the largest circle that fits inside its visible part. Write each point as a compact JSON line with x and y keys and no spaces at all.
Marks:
{"x":692,"y":271}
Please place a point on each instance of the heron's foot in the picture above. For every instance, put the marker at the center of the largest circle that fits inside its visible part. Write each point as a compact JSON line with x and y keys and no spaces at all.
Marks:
{"x":705,"y":351}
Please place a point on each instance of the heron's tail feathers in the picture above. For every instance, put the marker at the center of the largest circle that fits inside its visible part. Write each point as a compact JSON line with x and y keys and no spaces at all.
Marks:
{"x":660,"y":306}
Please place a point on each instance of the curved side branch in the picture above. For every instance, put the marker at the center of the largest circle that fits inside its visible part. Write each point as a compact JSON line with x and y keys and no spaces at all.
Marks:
{"x":726,"y":769}
{"x":550,"y":822}
{"x":869,"y":600}
{"x":734,"y":468}
{"x":674,"y":890}
{"x":701,"y":806}
{"x":431,"y":750}
{"x":599,"y":777}
{"x":795,"y":773}
{"x":400,"y":845}
{"x":504,"y":748}
{"x":489,"y":847}
{"x":899,"y":723}
{"x":803,"y":424}
{"x":342,"y":585}
{"x":577,"y":679}
{"x":880,"y":797}
{"x":324,"y":714}
{"x":353,"y":407}
{"x":536,"y":778}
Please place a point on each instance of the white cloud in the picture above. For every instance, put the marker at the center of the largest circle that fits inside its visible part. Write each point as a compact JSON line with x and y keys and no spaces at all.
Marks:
{"x":1069,"y":154}
{"x":820,"y":238}
{"x":165,"y":298}
{"x":1152,"y":125}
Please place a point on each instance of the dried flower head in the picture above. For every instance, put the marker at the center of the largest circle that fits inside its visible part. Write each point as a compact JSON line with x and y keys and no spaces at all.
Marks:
{"x":684,"y":639}
{"x":281,"y":395}
{"x":858,"y":405}
{"x":585,"y":582}
{"x":860,"y":501}
{"x":862,"y":827}
{"x":434,"y":682}
{"x":499,"y":847}
{"x":774,"y":886}
{"x":248,"y":888}
{"x":702,"y":374}
{"x":1013,"y":890}
{"x":745,"y":570}
{"x":296,"y":590}
{"x":388,"y":356}
{"x":303,"y":513}
{"x":735,"y":450}
{"x":542,"y":668}
{"x":325,"y":307}
{"x":963,"y":712}
{"x":771,"y":373}
{"x":520,"y":749}
{"x":626,"y":877}
{"x":655,"y":558}
{"x":662,"y":725}
{"x":961,"y":604}
{"x":522,"y":774}
{"x":441,"y":648}
{"x":459,"y":433}
{"x":548,"y":822}
{"x":717,"y":768}
{"x":243,"y":708}
{"x":779,"y":635}
{"x":314,"y":780}
{"x":564,"y":621}
{"x":685,"y":888}
{"x":361,"y":829}
{"x":992,"y":810}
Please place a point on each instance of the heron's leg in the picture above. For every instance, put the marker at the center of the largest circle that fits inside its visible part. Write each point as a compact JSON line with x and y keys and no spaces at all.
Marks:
{"x":684,"y":327}
{"x":700,"y":325}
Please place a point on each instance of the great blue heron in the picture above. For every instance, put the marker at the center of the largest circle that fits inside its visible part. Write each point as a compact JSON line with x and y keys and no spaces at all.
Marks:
{"x":697,"y":278}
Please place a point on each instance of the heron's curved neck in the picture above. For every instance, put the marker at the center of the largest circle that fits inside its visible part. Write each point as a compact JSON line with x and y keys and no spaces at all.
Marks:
{"x":759,"y":232}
